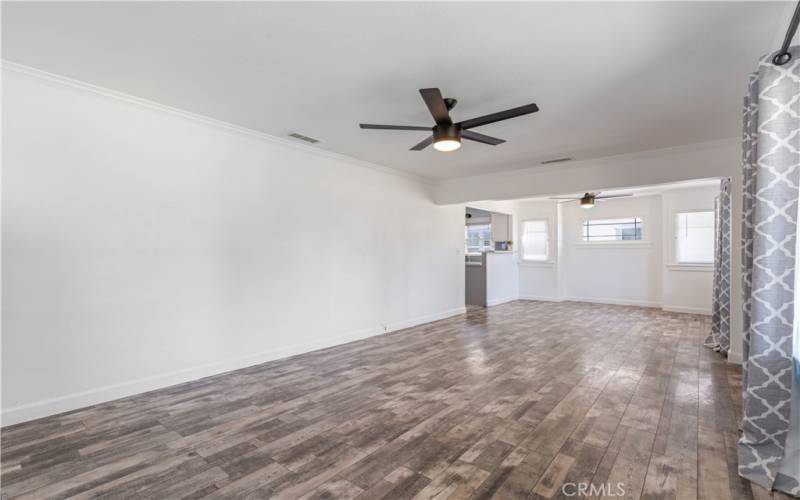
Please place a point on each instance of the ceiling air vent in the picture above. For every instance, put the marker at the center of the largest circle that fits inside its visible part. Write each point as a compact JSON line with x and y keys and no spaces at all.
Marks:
{"x":556,"y":160}
{"x":305,"y":138}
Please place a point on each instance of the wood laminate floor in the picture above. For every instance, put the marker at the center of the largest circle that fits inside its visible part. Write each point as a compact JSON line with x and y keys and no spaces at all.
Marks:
{"x":509,"y":402}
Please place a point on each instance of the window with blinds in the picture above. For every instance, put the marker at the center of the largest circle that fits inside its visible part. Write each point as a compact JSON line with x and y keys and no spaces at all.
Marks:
{"x":535,"y":240}
{"x":694,"y":237}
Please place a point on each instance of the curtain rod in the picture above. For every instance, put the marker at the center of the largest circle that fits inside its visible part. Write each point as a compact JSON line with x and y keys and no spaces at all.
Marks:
{"x":784,"y":56}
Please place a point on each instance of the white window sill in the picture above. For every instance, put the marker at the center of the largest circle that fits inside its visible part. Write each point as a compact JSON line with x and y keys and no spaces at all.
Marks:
{"x":702,"y":268}
{"x":537,"y":263}
{"x":614,"y":244}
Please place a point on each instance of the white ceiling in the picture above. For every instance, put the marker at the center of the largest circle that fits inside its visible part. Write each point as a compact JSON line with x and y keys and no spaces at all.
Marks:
{"x":609,"y":78}
{"x":636,"y":191}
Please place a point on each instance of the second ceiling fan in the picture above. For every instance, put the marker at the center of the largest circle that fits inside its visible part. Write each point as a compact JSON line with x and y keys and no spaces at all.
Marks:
{"x":588,"y":199}
{"x":446,"y":135}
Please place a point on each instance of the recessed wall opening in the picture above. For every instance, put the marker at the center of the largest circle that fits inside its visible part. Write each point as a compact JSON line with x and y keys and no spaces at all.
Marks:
{"x":649,"y":246}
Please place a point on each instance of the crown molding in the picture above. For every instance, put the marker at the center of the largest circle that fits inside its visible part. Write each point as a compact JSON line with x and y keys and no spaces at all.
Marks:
{"x":29,"y":71}
{"x":42,"y":75}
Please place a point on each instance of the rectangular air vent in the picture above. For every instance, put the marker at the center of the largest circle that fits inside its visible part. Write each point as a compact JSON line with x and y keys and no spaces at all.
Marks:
{"x":556,"y":160}
{"x":305,"y":138}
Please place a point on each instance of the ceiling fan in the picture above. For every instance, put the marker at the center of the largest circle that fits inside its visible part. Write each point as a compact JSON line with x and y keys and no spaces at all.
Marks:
{"x":446,"y":134}
{"x":588,"y":199}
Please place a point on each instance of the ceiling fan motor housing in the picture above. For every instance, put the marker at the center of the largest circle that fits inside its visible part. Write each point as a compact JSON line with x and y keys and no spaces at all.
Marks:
{"x":444,"y":132}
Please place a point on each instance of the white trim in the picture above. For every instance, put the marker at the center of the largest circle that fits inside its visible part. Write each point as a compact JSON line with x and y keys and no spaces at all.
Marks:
{"x":497,"y":302}
{"x":687,"y":310}
{"x":630,"y":244}
{"x":205,"y":120}
{"x":429,"y":318}
{"x":617,"y":302}
{"x":541,"y":298}
{"x":107,"y":393}
{"x":593,"y":300}
{"x":702,"y":268}
{"x":621,"y":302}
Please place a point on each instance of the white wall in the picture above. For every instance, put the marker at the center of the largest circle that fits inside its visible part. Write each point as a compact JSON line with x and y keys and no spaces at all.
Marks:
{"x":686,"y":288}
{"x":623,"y":273}
{"x":642,"y":274}
{"x":144,"y":247}
{"x":698,"y":161}
{"x":539,"y":280}
{"x":502,"y":281}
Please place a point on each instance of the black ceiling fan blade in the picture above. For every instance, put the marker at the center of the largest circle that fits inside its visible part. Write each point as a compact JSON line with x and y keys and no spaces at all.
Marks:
{"x":372,"y":126}
{"x":613,"y":196}
{"x":424,"y":144}
{"x":485,"y":139}
{"x":499,"y":116}
{"x":563,"y":198}
{"x":435,"y":102}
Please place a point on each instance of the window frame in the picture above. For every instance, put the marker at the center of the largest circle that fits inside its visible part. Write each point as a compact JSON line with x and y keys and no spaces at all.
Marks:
{"x":548,"y":247}
{"x":640,"y":242}
{"x":674,"y":262}
{"x":486,"y":248}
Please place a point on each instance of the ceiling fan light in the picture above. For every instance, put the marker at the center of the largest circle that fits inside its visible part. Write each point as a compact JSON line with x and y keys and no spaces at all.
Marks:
{"x":447,"y":144}
{"x":587,"y":203}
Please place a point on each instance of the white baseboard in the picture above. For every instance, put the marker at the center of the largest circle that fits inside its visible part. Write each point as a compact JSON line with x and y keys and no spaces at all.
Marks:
{"x":623,"y":302}
{"x":616,"y":302}
{"x":401,"y":325}
{"x":38,"y":409}
{"x":688,"y":310}
{"x":593,"y":300}
{"x":495,"y":302}
{"x":543,"y":298}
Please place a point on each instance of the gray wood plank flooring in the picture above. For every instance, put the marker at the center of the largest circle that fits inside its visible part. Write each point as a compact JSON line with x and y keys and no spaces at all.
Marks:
{"x":509,"y":402}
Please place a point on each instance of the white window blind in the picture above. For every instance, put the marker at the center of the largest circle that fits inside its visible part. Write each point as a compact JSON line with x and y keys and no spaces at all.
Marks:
{"x":535,"y":240}
{"x":694,"y":237}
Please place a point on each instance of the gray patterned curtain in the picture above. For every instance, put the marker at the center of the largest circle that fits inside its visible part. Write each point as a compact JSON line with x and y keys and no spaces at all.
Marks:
{"x":771,"y":170}
{"x":720,"y":337}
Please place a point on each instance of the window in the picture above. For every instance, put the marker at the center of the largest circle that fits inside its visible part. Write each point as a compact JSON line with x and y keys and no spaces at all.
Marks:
{"x":535,"y":240}
{"x":478,"y":238}
{"x":694,"y":237}
{"x":629,"y":228}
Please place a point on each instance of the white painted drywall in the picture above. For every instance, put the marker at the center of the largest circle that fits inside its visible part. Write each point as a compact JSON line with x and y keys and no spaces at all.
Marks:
{"x":623,"y":272}
{"x":686,"y":288}
{"x":639,"y":274}
{"x":539,"y":280}
{"x":698,"y":161}
{"x":502,"y":281}
{"x":143,"y":248}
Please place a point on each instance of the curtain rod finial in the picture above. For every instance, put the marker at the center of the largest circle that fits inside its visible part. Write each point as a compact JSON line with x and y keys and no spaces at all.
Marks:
{"x":781,"y":58}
